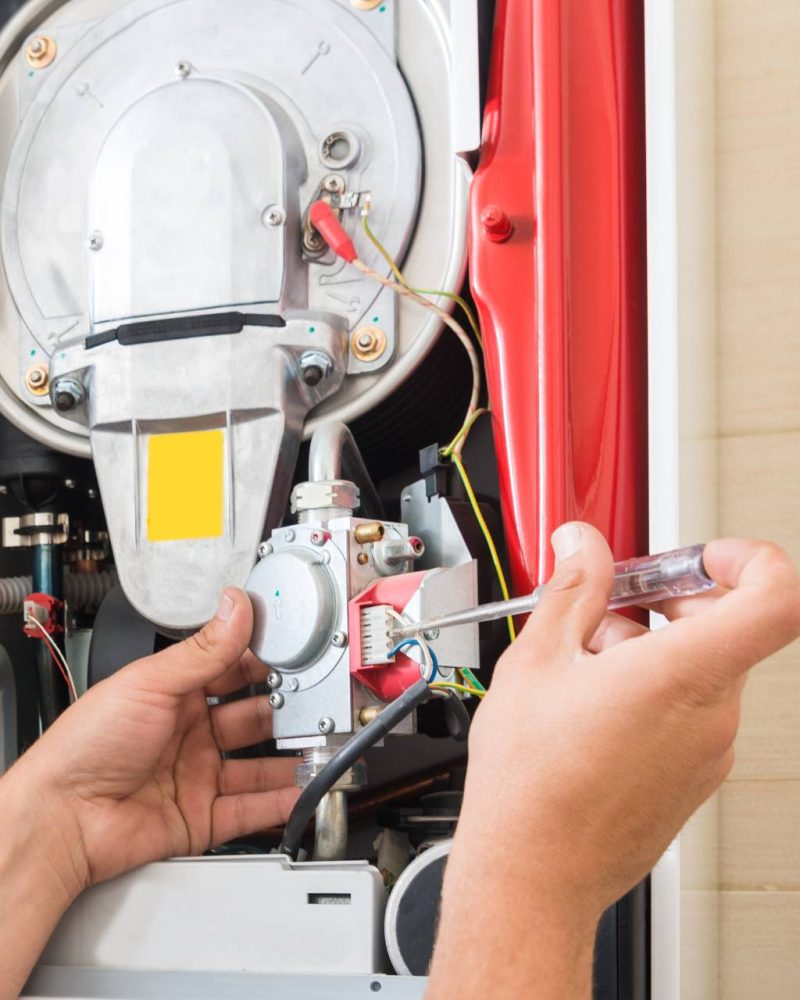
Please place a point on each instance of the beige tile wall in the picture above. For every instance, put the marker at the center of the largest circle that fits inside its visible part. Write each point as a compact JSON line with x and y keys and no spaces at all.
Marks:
{"x":758,"y":284}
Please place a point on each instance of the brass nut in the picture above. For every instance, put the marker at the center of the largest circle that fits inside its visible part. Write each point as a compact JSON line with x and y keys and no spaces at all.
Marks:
{"x":368,"y":714}
{"x":364,"y":534}
{"x":37,"y":380}
{"x":368,"y":343}
{"x":41,"y":51}
{"x":366,"y":4}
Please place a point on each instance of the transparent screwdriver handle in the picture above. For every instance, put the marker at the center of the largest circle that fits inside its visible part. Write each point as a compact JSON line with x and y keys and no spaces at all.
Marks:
{"x":655,"y":578}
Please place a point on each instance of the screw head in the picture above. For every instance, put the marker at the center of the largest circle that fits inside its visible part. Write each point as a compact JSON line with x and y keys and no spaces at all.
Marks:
{"x":368,"y":343}
{"x":70,"y":484}
{"x":183,"y":69}
{"x":407,"y":498}
{"x":91,"y":493}
{"x":326,"y":725}
{"x":37,"y":380}
{"x":96,"y":241}
{"x":334,"y":184}
{"x":274,"y":680}
{"x":264,"y":549}
{"x":317,"y":537}
{"x":3,"y":489}
{"x":273,"y":217}
{"x":276,"y":700}
{"x":431,"y":634}
{"x":339,"y":639}
{"x":289,"y":535}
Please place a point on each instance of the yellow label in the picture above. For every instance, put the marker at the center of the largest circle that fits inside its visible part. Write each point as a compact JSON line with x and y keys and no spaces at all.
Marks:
{"x":185,"y":491}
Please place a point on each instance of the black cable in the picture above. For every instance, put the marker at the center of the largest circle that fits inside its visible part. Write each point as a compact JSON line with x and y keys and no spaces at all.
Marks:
{"x":456,"y":717}
{"x":383,"y":723}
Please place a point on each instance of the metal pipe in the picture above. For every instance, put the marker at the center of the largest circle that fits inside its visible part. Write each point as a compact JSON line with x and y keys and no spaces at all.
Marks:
{"x":334,"y":455}
{"x":53,"y":692}
{"x":330,"y":827}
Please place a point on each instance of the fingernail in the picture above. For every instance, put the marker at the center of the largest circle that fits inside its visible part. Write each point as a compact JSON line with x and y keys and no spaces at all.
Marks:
{"x":226,"y":606}
{"x":566,"y":541}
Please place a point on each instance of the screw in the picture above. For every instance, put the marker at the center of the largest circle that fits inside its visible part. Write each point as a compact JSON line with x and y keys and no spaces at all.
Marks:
{"x":91,"y":493}
{"x":431,"y":634}
{"x":96,"y":241}
{"x":273,"y":217}
{"x":315,"y":367}
{"x":334,"y":184}
{"x":293,"y":684}
{"x":339,"y":639}
{"x":289,"y":535}
{"x":326,"y":725}
{"x":264,"y":549}
{"x":3,"y":489}
{"x":407,"y":498}
{"x":496,"y":224}
{"x":70,"y":484}
{"x":274,"y":680}
{"x":68,"y":393}
{"x":317,"y":537}
{"x":276,"y":700}
{"x":183,"y":69}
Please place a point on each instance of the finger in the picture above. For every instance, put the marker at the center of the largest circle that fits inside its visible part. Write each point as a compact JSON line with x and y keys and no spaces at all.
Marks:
{"x":241,"y":723}
{"x":239,"y":815}
{"x":199,"y":660}
{"x":574,"y":602}
{"x":759,"y":615}
{"x":260,"y":775}
{"x":246,"y":671}
{"x":613,"y":630}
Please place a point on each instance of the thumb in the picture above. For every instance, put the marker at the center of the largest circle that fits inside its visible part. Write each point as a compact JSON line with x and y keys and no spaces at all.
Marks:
{"x":575,"y":600}
{"x":206,"y":655}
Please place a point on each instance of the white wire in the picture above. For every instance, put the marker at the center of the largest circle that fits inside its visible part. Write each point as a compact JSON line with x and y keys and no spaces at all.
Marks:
{"x":426,"y":670}
{"x":56,"y":652}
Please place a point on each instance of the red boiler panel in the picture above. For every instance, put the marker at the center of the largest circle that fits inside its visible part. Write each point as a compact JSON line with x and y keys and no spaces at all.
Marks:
{"x":558,"y":266}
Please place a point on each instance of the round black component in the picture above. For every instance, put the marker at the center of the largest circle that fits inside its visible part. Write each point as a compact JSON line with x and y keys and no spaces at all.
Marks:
{"x":65,"y":401}
{"x":412,"y":915}
{"x":313,"y":375}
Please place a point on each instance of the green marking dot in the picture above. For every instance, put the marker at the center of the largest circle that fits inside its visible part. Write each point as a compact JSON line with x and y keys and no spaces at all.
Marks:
{"x":312,"y":329}
{"x":33,"y":353}
{"x":63,"y":356}
{"x":376,"y":319}
{"x":31,"y":72}
{"x":382,"y":9}
{"x":277,"y":593}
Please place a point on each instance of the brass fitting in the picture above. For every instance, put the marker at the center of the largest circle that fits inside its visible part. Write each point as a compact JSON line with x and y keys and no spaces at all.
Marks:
{"x":365,"y":534}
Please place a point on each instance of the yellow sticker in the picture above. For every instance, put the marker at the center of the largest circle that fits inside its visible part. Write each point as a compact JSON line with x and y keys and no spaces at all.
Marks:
{"x":185,"y":486}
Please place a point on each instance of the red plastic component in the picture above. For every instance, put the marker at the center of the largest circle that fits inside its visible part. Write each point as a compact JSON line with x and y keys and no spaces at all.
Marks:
{"x":563,"y":300}
{"x":324,"y":220}
{"x":386,"y":680}
{"x":46,"y":610}
{"x":496,"y":224}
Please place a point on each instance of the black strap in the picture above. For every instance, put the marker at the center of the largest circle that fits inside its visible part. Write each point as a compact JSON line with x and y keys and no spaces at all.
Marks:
{"x":182,"y":327}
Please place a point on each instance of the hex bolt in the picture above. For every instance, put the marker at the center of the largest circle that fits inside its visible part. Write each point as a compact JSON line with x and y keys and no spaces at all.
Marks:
{"x":273,"y":217}
{"x":96,"y":241}
{"x":264,"y":550}
{"x":274,"y":680}
{"x":496,"y":224}
{"x":37,"y":379}
{"x":315,"y":367}
{"x":67,"y":394}
{"x":276,"y":700}
{"x":326,"y":725}
{"x":339,"y":639}
{"x":368,"y":343}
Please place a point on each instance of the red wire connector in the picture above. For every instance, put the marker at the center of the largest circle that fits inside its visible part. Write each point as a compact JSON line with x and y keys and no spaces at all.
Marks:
{"x":45,"y":610}
{"x":324,"y":220}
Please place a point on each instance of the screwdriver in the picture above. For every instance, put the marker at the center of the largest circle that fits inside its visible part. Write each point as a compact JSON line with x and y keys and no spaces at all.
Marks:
{"x":644,"y":580}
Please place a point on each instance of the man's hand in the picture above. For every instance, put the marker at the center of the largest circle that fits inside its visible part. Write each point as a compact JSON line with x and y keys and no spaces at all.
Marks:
{"x":133,"y":773}
{"x":597,"y":741}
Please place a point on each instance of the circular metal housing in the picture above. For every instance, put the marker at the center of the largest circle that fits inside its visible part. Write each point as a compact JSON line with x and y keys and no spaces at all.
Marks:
{"x":294,"y":609}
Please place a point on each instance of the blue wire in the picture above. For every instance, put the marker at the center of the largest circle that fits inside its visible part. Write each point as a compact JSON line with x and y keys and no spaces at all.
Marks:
{"x":418,"y":644}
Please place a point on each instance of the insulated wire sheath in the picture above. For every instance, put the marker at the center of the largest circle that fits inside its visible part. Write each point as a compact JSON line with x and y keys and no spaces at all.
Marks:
{"x":344,"y":758}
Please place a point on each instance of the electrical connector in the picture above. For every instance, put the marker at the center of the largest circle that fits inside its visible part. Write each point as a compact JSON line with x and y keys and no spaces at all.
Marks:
{"x":324,"y":220}
{"x":376,"y":642}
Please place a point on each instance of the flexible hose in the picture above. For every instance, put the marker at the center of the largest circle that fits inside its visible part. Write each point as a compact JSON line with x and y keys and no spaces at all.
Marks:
{"x":84,"y":591}
{"x":383,"y":723}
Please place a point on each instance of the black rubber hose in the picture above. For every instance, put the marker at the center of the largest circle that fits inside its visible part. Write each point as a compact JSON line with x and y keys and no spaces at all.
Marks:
{"x":457,"y":717}
{"x":384,"y":723}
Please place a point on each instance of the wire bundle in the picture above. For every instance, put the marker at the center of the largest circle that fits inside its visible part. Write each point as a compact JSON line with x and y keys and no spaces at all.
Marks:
{"x":58,"y":657}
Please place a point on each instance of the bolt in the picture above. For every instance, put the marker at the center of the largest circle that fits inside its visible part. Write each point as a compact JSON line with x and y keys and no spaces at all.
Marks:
{"x":293,"y":684}
{"x":407,"y":498}
{"x":315,"y":367}
{"x":317,"y":537}
{"x":326,"y":725}
{"x":70,"y":484}
{"x":67,"y":394}
{"x":183,"y":69}
{"x":273,"y":217}
{"x":274,"y":680}
{"x":289,"y":535}
{"x":37,"y":47}
{"x":96,"y":241}
{"x":41,"y":51}
{"x":334,"y":184}
{"x":3,"y":489}
{"x":91,"y":493}
{"x":276,"y":700}
{"x":339,"y":639}
{"x":368,"y":343}
{"x":37,"y":377}
{"x":496,"y":224}
{"x":264,"y":550}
